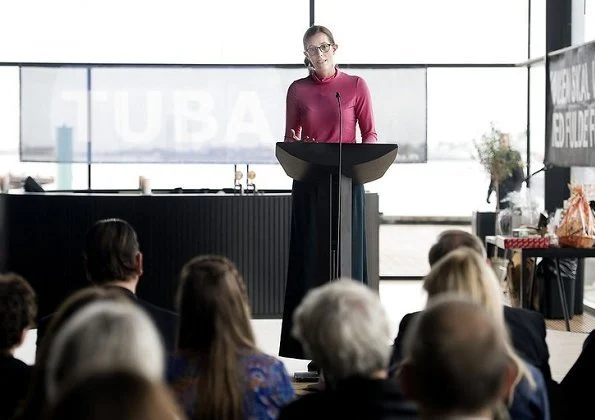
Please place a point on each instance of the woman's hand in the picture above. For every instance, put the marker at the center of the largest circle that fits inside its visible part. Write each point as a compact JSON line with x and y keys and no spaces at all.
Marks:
{"x":305,"y":139}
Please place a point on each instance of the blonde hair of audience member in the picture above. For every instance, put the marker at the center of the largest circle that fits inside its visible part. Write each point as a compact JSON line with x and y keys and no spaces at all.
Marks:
{"x":466,"y":272}
{"x":344,"y":328}
{"x":456,"y":360}
{"x":215,"y":328}
{"x":115,"y":395}
{"x":104,"y":336}
{"x":79,"y":299}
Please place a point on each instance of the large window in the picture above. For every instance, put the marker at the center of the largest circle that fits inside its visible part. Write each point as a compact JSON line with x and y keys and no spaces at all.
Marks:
{"x":135,"y":31}
{"x":461,"y":102}
{"x":427,"y":31}
{"x":191,"y":115}
{"x":64,"y":176}
{"x":537,"y":28}
{"x":589,"y":20}
{"x":537,"y":130}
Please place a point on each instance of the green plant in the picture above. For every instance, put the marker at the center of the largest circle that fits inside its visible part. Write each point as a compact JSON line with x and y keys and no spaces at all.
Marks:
{"x":496,"y":156}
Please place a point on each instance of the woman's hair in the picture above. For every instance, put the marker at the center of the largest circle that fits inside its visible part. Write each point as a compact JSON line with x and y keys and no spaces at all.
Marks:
{"x":115,"y":395}
{"x":18,"y":309}
{"x":104,"y":336}
{"x":313,"y":30}
{"x":72,"y":304}
{"x":215,"y":328}
{"x":465,"y":271}
{"x":36,"y":395}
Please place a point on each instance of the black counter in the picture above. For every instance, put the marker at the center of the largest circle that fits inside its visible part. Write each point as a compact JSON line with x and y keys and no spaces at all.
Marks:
{"x":42,"y":236}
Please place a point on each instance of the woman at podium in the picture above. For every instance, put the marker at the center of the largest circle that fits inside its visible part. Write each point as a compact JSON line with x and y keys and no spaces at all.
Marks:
{"x":323,"y":107}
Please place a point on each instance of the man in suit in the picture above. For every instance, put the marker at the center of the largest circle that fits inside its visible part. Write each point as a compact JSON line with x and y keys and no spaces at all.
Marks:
{"x":527,"y":328}
{"x":353,"y":357}
{"x":463,"y":372}
{"x":113,"y":259}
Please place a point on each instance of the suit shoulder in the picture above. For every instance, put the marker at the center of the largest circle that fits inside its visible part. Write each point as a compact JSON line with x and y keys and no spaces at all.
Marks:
{"x":517,"y":313}
{"x":407,"y":319}
{"x":304,"y":407}
{"x":157,"y":309}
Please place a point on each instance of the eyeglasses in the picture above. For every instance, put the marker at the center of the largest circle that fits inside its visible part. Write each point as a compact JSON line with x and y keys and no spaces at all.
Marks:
{"x":324,"y":48}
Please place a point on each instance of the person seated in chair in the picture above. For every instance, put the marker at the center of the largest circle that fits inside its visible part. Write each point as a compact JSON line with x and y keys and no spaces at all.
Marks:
{"x":344,"y":328}
{"x":527,"y":328}
{"x":466,"y":273}
{"x":113,"y":259}
{"x":18,"y":308}
{"x":456,"y":364}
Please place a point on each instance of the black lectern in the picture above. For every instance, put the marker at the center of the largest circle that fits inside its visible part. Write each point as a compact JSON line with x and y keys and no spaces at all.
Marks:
{"x":319,"y":163}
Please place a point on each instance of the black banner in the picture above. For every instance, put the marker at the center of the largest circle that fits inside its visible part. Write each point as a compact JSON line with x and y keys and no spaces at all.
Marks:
{"x":570,"y":130}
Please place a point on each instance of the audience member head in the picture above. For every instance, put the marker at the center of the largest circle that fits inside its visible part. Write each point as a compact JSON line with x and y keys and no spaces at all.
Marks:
{"x":18,"y":309}
{"x":37,"y":395}
{"x":103,"y":336}
{"x":72,"y":304}
{"x":344,"y":328}
{"x":466,"y":273}
{"x":115,"y":395}
{"x":455,"y":360}
{"x":215,"y":328}
{"x":112,"y":253}
{"x":451,"y":239}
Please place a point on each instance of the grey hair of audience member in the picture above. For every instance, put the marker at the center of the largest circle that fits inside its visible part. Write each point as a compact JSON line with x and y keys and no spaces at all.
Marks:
{"x":344,"y":328}
{"x":101,"y":337}
{"x":455,"y":358}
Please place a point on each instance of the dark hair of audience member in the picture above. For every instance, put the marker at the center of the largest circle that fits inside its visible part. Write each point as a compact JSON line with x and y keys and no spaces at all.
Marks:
{"x":37,"y":393}
{"x":116,"y":395}
{"x":215,"y":328}
{"x":451,"y":239}
{"x":18,"y":309}
{"x":111,"y":249}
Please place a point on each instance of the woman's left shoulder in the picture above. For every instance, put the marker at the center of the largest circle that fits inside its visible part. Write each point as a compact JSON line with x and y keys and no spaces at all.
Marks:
{"x":260,"y":360}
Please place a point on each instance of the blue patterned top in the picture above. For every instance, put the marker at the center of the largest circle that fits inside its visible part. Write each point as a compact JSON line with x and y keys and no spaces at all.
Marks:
{"x":269,"y":385}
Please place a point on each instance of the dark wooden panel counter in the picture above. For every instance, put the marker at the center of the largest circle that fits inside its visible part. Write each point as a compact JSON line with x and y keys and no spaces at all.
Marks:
{"x":42,"y":235}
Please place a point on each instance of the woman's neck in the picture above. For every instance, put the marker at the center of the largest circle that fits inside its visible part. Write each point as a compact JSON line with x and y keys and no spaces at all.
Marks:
{"x":325,"y":74}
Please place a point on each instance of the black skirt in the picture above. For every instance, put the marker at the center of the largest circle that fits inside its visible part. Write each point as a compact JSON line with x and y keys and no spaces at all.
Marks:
{"x":302,"y":273}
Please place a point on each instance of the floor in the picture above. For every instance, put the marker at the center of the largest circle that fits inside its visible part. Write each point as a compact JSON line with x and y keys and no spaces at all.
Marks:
{"x":404,"y":248}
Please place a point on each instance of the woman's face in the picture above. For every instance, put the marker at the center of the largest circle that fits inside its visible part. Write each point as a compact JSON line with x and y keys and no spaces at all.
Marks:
{"x":316,"y":45}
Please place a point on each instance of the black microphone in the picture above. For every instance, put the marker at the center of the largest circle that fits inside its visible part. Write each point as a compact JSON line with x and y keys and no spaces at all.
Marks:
{"x":339,"y":209}
{"x":545,"y":168}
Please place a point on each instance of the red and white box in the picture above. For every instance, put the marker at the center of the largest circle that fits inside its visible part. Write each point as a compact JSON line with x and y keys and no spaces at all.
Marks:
{"x":515,"y":243}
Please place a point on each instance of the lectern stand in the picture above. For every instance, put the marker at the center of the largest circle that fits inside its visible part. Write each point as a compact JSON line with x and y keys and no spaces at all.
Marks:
{"x":318,"y":163}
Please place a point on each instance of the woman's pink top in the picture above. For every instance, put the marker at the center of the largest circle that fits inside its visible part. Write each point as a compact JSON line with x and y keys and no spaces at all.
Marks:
{"x":313,"y":110}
